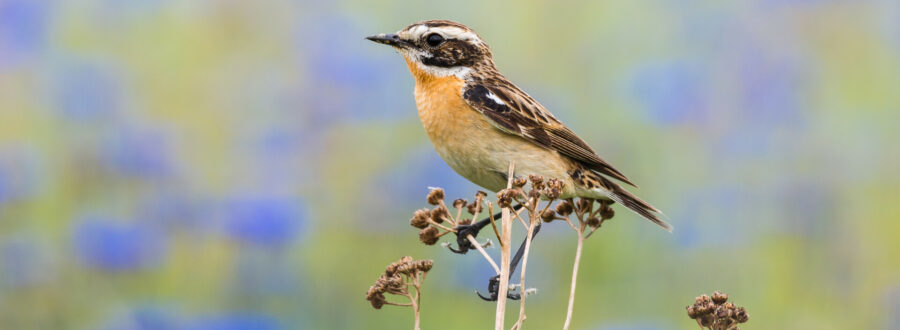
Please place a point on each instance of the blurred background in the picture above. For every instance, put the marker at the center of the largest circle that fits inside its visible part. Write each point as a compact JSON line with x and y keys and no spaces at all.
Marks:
{"x":253,"y":164}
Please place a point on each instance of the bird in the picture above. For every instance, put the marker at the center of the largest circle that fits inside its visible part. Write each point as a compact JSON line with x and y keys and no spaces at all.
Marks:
{"x":479,"y":121}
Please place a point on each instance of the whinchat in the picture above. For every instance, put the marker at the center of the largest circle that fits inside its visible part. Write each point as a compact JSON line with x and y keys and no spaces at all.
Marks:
{"x":479,"y":121}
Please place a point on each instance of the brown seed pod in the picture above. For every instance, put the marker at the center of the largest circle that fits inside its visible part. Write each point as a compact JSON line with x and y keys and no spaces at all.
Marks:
{"x":537,"y":181}
{"x":435,"y":196}
{"x":429,"y":235}
{"x":460,"y":203}
{"x":594,"y":222}
{"x":584,"y":204}
{"x":702,"y":299}
{"x":377,"y":300}
{"x":740,"y":315}
{"x":719,"y":298}
{"x":438,"y":214}
{"x":722,"y":312}
{"x":505,"y":197}
{"x":519,"y":182}
{"x":480,"y":194}
{"x":607,"y":212}
{"x":420,"y":219}
{"x":424,"y":265}
{"x":564,"y":208}
{"x":548,"y":216}
{"x":692,"y":312}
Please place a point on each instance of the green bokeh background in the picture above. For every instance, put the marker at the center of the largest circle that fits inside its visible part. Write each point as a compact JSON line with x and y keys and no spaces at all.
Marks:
{"x":252,"y":164}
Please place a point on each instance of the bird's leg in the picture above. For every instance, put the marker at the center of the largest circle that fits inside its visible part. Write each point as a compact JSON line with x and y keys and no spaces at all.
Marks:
{"x":494,"y":282}
{"x":472,"y":229}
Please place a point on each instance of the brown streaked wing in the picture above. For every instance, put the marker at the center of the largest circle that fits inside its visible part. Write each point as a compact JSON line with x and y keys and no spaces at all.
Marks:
{"x":544,"y":129}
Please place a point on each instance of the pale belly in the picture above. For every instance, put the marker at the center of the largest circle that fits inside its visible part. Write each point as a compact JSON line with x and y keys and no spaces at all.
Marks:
{"x":484,"y":158}
{"x":481,"y":153}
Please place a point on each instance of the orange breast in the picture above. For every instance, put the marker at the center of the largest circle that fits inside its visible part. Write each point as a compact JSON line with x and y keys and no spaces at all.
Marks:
{"x":444,"y":113}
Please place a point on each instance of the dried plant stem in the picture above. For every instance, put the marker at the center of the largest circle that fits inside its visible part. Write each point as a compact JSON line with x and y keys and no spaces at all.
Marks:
{"x":415,"y":306}
{"x":581,"y":239}
{"x":522,"y":273}
{"x":483,"y":253}
{"x":494,"y":223}
{"x":506,"y":222}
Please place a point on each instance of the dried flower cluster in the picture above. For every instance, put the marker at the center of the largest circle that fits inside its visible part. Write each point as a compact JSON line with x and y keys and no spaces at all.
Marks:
{"x":396,"y":280}
{"x":438,"y":221}
{"x":532,"y":195}
{"x":716,"y":313}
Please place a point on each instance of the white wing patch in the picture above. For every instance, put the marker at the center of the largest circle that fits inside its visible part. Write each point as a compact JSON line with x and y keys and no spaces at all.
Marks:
{"x":495,"y":98}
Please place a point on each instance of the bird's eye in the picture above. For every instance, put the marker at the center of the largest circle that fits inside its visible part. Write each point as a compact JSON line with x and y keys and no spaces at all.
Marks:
{"x":434,"y":39}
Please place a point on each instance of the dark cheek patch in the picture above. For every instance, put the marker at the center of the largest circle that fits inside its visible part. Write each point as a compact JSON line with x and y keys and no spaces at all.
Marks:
{"x":452,"y":53}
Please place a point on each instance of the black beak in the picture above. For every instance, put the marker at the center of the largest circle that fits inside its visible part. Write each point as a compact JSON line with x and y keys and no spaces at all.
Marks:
{"x":388,"y":39}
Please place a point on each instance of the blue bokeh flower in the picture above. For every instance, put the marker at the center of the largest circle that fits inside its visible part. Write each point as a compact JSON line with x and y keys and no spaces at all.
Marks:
{"x":266,"y":221}
{"x":236,"y":321}
{"x":671,"y":93}
{"x":23,"y":27}
{"x":113,"y":245}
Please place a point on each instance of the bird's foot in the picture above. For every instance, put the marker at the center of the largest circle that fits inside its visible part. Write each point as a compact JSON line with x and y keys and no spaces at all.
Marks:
{"x":463,"y":231}
{"x":494,"y":291}
{"x":494,"y":282}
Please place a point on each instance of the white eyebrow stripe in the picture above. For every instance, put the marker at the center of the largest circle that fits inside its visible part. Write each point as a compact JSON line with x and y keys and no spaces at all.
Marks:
{"x":449,"y":32}
{"x":495,"y":98}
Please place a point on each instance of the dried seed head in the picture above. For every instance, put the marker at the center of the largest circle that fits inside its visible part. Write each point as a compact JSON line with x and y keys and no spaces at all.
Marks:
{"x":740,"y":315}
{"x":460,"y":203}
{"x":395,"y":280}
{"x":594,"y":222}
{"x":584,"y":204}
{"x":438,"y":214}
{"x":424,"y":265}
{"x":707,"y":320}
{"x":537,"y":181}
{"x":408,"y":268}
{"x":719,"y":298}
{"x":464,"y":222}
{"x":564,"y":208}
{"x":607,"y":212}
{"x":420,"y":219}
{"x":429,"y":235}
{"x":392,"y":268}
{"x":519,"y":182}
{"x":505,"y":197}
{"x":723,"y":313}
{"x":704,"y":308}
{"x":692,"y":312}
{"x":435,"y":196}
{"x":729,"y":305}
{"x":534,"y":193}
{"x":548,"y":216}
{"x":702,"y":299}
{"x":554,"y":188}
{"x":376,"y":299}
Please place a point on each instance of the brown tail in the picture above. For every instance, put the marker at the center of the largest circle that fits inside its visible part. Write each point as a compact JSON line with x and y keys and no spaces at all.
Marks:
{"x":633,"y":203}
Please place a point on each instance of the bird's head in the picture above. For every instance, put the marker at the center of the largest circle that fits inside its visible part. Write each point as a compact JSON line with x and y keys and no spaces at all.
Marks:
{"x":439,"y":48}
